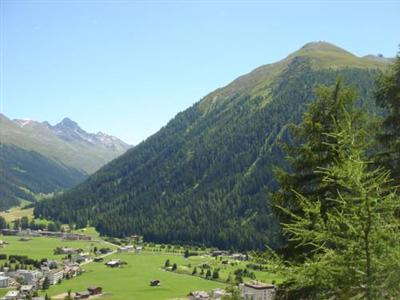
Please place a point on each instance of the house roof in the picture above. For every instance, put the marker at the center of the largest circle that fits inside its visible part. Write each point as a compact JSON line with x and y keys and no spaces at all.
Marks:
{"x":259,"y":286}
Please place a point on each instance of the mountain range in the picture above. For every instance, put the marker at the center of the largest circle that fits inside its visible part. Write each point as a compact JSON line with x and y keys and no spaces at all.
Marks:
{"x":205,"y":177}
{"x":36,"y":157}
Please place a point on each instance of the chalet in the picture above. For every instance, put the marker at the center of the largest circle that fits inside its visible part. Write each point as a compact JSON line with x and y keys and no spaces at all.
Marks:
{"x":82,"y":295}
{"x":127,"y":248}
{"x":257,"y":291}
{"x":95,"y":290}
{"x":113,"y":263}
{"x":199,"y":295}
{"x":72,"y":270}
{"x":239,"y":256}
{"x":12,"y":295}
{"x":98,"y":259}
{"x":27,"y":290}
{"x":218,"y":293}
{"x":155,"y":282}
{"x":217,"y":253}
{"x":66,"y":251}
{"x":136,"y":238}
{"x":4,"y":281}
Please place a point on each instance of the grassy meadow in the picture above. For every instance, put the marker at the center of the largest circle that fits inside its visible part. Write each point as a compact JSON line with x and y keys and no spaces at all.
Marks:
{"x":42,"y":247}
{"x":132,"y":281}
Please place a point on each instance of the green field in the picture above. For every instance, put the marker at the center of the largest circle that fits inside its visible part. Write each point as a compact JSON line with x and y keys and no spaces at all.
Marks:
{"x":41,"y":247}
{"x":132,"y":280}
{"x":17,"y":213}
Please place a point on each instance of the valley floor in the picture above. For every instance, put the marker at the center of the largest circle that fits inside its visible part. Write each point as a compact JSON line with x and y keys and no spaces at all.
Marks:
{"x":130,"y":281}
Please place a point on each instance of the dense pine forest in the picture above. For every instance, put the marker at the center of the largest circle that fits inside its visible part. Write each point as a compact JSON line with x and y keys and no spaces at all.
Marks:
{"x":206,"y":177}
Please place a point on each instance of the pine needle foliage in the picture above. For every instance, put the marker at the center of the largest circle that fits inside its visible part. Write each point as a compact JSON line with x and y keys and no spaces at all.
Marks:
{"x":356,"y":244}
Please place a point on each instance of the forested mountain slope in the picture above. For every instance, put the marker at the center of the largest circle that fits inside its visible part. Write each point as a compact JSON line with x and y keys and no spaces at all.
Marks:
{"x":206,"y":176}
{"x":26,"y":173}
{"x":38,"y":158}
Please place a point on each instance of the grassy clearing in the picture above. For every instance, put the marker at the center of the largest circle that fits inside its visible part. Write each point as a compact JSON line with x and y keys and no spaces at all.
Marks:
{"x":132,"y":281}
{"x":225,"y":270}
{"x":17,"y":213}
{"x":41,"y":247}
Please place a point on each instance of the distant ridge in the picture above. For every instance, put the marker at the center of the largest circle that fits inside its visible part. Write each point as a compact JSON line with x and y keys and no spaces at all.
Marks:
{"x":36,"y":157}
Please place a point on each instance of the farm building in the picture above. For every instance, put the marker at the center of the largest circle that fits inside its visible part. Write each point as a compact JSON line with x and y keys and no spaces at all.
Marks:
{"x":257,"y":291}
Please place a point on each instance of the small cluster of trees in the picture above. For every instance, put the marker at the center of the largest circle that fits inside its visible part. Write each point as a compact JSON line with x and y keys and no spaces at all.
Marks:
{"x":338,"y":203}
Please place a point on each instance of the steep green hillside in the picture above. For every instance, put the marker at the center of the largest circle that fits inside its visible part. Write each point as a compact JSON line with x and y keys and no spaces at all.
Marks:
{"x":205,"y":177}
{"x":25,"y":173}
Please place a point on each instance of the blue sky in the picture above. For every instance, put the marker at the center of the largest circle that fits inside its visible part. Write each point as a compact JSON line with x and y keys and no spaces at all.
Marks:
{"x":127,"y":67}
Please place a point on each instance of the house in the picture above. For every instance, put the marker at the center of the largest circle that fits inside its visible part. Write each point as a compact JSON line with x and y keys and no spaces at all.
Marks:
{"x":66,"y":251}
{"x":257,"y":291}
{"x":95,"y":290}
{"x":136,"y":238}
{"x":82,"y":295}
{"x":3,"y":244}
{"x":54,"y":276}
{"x":198,"y":295}
{"x":219,"y":293}
{"x":98,"y":259}
{"x":239,"y":256}
{"x":113,"y":263}
{"x":29,"y":277}
{"x":127,"y":248}
{"x":155,"y":282}
{"x":4,"y":281}
{"x":80,"y":258}
{"x":72,"y":270}
{"x":27,"y":290}
{"x":217,"y":253}
{"x":12,"y":295}
{"x":9,"y":231}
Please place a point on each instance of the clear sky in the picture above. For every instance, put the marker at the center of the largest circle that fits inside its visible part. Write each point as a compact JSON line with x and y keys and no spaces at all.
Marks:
{"x":127,"y":67}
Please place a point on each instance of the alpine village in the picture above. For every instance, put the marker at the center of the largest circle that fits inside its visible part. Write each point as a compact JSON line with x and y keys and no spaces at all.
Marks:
{"x":281,"y":185}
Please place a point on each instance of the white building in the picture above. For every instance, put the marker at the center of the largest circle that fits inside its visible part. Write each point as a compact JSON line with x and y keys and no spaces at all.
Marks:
{"x":127,"y":248}
{"x":4,"y":281}
{"x":54,"y":276}
{"x":12,"y":295}
{"x":257,"y":291}
{"x":30,"y":277}
{"x":199,"y":295}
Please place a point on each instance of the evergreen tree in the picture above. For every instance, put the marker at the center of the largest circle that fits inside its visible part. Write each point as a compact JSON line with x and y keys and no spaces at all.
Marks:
{"x":46,"y":284}
{"x":194,"y":272}
{"x":356,"y":243}
{"x":174,"y":267}
{"x":310,"y":151}
{"x":167,"y":263}
{"x":24,"y":222}
{"x":3,"y":223}
{"x":215,"y":274}
{"x":208,"y":274}
{"x":388,"y":97}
